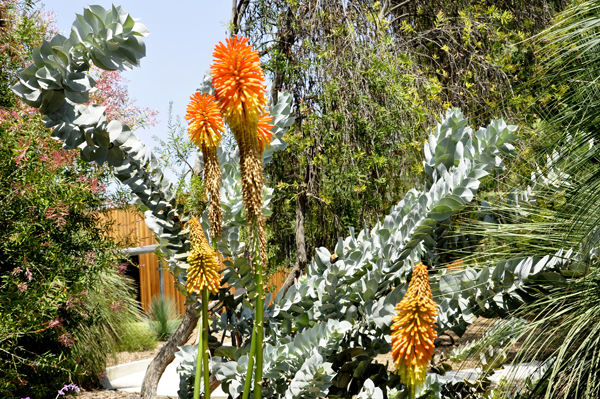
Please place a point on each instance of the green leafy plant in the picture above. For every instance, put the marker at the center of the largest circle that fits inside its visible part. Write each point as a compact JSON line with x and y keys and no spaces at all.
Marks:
{"x":163,"y":317}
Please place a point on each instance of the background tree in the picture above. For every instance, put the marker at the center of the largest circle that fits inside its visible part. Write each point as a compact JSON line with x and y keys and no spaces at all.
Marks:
{"x":368,"y":78}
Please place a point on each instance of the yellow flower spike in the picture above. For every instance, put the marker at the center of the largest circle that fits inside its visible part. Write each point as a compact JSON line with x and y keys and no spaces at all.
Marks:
{"x":413,"y":330}
{"x":206,"y":125}
{"x":203,"y":271}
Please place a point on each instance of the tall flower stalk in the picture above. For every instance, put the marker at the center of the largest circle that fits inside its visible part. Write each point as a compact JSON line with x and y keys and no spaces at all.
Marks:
{"x":203,"y":276}
{"x":238,"y":81}
{"x":413,"y":331}
{"x":205,"y":127}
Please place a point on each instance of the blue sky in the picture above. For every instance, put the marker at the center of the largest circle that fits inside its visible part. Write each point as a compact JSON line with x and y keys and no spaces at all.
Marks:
{"x":179,"y":49}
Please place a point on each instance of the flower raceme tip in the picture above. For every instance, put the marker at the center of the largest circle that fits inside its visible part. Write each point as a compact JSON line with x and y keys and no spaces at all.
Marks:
{"x":413,"y":330}
{"x":205,"y":120}
{"x":203,"y":271}
{"x":238,"y":80}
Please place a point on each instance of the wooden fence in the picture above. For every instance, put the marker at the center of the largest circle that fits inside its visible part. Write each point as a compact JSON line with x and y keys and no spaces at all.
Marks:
{"x":129,"y":227}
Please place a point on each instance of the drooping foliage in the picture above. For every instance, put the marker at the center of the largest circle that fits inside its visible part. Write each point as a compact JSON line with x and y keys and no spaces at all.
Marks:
{"x":367,"y":80}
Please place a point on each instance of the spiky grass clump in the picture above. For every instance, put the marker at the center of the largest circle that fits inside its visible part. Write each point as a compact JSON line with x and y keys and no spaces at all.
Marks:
{"x":163,"y":317}
{"x":110,"y":301}
{"x":137,"y":337}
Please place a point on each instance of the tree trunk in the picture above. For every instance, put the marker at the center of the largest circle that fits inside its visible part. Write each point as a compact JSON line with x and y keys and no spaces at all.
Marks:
{"x":301,"y":260}
{"x":237,"y":14}
{"x":166,"y":354}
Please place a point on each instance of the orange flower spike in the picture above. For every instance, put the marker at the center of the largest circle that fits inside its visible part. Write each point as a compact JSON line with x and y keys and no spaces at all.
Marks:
{"x":206,"y":125}
{"x":238,"y":81}
{"x":265,"y":136}
{"x":413,"y":330}
{"x":205,"y":121}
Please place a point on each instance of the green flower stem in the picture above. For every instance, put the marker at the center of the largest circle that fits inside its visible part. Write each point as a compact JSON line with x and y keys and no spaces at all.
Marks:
{"x":256,"y":346}
{"x":198,"y":362}
{"x":205,"y":343}
{"x":259,"y":316}
{"x":248,"y":381}
{"x":259,"y":327}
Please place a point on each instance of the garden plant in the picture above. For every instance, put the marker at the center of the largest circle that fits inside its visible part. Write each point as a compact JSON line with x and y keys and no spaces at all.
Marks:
{"x":382,"y":289}
{"x":65,"y":304}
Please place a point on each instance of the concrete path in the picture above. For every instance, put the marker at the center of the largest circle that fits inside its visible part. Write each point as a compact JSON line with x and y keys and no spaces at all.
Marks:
{"x":128,"y":378}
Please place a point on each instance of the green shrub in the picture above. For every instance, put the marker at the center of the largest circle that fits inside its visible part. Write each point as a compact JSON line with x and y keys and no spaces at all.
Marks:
{"x":62,"y":299}
{"x":137,"y":337}
{"x":163,"y":317}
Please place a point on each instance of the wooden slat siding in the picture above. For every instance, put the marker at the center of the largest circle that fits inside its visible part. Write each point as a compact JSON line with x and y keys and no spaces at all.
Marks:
{"x":130,"y":226}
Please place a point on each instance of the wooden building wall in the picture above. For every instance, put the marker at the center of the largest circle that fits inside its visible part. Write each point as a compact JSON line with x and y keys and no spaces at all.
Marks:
{"x":130,"y":227}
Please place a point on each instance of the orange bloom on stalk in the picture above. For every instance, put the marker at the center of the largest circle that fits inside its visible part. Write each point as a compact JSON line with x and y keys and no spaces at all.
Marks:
{"x":206,"y":123}
{"x":413,"y":330}
{"x":238,"y":81}
{"x":265,"y":136}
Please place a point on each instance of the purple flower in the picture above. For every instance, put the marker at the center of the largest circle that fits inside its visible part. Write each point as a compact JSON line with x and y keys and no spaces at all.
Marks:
{"x":66,"y":388}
